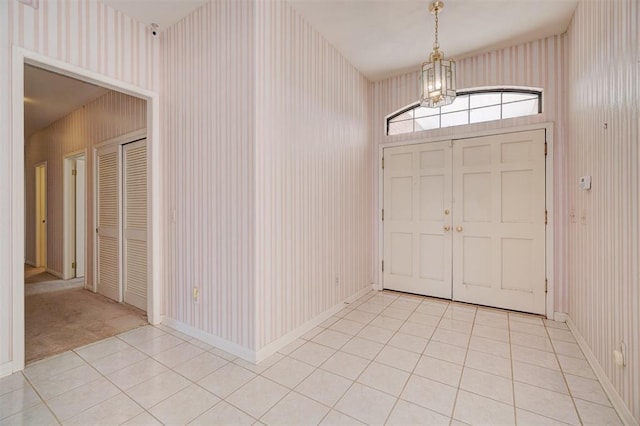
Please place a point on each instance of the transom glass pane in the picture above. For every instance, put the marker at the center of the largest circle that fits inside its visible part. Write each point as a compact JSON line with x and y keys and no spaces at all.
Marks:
{"x":485,"y":99}
{"x":479,"y":115}
{"x":468,"y":107}
{"x":461,"y":103}
{"x":518,"y":109}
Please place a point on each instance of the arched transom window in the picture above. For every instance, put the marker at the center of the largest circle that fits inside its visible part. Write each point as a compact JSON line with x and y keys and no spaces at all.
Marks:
{"x":470,"y":106}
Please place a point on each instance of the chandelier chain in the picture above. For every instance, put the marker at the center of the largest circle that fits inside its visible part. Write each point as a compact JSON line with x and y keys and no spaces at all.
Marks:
{"x":435,"y":43}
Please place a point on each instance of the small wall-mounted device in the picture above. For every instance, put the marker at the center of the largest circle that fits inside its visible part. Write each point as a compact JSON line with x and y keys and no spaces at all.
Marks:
{"x":585,"y":183}
{"x":154,"y":28}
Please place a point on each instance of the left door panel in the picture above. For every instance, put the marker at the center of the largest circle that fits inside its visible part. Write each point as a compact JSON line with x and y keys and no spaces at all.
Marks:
{"x":107,"y":222}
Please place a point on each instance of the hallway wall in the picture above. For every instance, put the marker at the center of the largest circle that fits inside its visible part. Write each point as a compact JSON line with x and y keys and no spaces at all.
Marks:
{"x":107,"y":117}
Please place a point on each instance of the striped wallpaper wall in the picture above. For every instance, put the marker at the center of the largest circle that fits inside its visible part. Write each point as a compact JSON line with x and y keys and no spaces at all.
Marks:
{"x":313,"y":174}
{"x":84,"y":33}
{"x":111,"y":115}
{"x":209,"y":115}
{"x":604,"y":89}
{"x":267,"y":172}
{"x":534,"y":64}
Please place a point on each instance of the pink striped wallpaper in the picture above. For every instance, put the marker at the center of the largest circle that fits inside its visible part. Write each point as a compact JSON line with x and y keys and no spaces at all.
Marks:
{"x":313,"y":177}
{"x":84,"y":33}
{"x":604,"y":242}
{"x":109,"y":116}
{"x":534,"y":64}
{"x":268,"y":172}
{"x":209,"y":114}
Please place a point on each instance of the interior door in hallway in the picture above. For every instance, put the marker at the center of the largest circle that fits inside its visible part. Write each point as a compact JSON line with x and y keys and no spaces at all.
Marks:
{"x":108,"y":222}
{"x":135,"y":223}
{"x":499,"y":221}
{"x":417,"y":218}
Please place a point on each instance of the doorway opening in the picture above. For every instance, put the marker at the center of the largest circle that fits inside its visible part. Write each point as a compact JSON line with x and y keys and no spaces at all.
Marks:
{"x":75,"y":179}
{"x":66,"y":175}
{"x":467,"y":219}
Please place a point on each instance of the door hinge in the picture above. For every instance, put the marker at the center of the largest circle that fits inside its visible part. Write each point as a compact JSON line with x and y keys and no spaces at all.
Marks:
{"x":546,"y":285}
{"x":382,"y":163}
{"x":383,"y":214}
{"x":546,"y":217}
{"x":545,"y":149}
{"x":74,"y":172}
{"x":383,"y":266}
{"x":73,"y":265}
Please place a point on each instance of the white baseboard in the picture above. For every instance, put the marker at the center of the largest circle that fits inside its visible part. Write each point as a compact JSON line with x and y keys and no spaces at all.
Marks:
{"x":560,"y":316}
{"x":376,"y":287}
{"x":218,"y":342}
{"x":270,"y":349}
{"x":6,"y":369}
{"x":55,"y":273}
{"x":617,"y":402}
{"x":283,"y":341}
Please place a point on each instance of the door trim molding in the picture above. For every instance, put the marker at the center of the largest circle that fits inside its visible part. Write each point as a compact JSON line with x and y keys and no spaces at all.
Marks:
{"x":67,"y":223}
{"x":21,"y":56}
{"x":549,"y":193}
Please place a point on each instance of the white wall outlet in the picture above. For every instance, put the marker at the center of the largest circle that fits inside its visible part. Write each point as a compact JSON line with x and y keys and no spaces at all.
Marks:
{"x":196,"y":294}
{"x":620,"y":355}
{"x":585,"y":183}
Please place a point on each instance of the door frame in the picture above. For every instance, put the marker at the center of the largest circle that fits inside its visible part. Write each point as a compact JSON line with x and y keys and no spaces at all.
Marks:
{"x":549,"y":193}
{"x":41,"y":260}
{"x":20,"y":57}
{"x":69,"y":219}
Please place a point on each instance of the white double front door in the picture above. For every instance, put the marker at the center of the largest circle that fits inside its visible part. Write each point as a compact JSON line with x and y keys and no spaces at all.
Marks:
{"x":465,"y":220}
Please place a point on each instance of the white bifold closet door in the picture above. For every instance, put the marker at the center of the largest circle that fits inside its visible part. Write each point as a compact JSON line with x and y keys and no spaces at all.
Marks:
{"x":134,"y":158}
{"x":108,"y":222}
{"x":465,"y":220}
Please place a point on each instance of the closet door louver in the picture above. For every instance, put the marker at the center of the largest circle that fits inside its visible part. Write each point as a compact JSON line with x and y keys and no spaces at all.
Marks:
{"x":135,"y":223}
{"x":107,"y":222}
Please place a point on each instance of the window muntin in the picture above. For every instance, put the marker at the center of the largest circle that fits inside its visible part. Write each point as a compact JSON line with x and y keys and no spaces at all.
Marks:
{"x":473,"y":106}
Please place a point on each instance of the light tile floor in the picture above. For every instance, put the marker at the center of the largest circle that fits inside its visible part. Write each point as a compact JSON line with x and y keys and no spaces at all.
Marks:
{"x":384,"y":359}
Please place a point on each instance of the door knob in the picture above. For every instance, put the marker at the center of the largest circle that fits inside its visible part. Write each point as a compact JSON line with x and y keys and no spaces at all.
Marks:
{"x":459,"y":228}
{"x":447,"y":228}
{"x":446,"y":211}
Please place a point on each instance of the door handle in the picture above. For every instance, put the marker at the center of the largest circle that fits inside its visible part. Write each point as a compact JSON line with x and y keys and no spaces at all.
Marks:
{"x":447,"y":228}
{"x":459,"y":228}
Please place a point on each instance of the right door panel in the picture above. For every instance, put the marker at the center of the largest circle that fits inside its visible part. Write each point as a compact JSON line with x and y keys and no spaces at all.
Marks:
{"x":499,"y":221}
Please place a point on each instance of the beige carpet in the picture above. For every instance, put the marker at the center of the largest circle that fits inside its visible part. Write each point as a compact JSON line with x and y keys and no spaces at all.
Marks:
{"x":58,"y":321}
{"x":37,"y":275}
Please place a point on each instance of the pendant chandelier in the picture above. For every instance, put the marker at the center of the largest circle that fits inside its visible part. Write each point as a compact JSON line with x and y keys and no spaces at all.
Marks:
{"x":438,"y":75}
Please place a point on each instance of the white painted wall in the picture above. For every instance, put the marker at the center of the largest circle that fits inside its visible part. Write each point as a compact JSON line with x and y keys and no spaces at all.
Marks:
{"x":603,"y":76}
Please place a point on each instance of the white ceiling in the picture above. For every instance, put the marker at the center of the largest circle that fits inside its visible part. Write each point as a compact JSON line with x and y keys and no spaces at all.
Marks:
{"x":379,"y":37}
{"x":385,"y":37}
{"x":164,"y":13}
{"x":49,"y":96}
